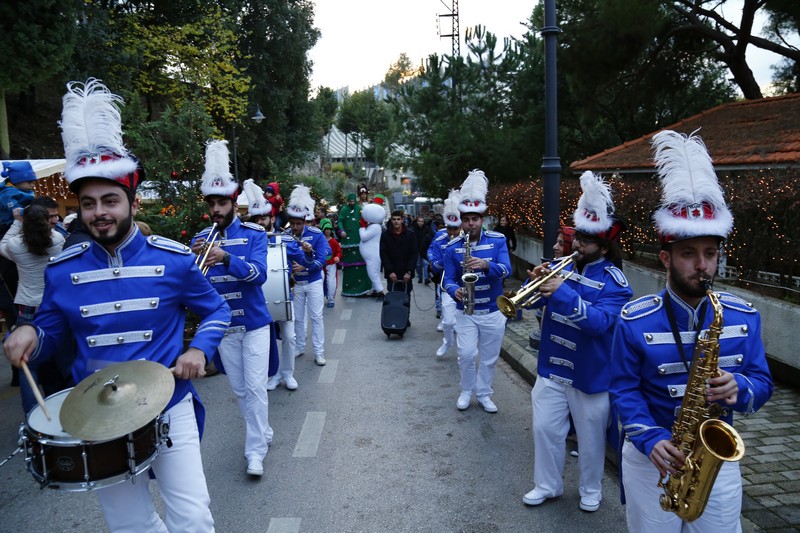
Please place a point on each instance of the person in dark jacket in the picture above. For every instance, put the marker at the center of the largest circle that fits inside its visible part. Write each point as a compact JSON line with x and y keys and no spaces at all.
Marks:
{"x":399,"y":252}
{"x":505,"y":228}
{"x":424,"y":238}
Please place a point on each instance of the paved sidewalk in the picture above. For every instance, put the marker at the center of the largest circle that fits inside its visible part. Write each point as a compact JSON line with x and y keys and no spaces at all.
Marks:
{"x":771,"y":465}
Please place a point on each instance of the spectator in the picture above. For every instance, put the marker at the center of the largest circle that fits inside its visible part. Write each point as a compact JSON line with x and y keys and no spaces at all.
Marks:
{"x":505,"y":228}
{"x":399,"y":253}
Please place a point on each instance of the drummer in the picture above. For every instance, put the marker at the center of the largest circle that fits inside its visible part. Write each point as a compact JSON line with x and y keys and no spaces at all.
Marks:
{"x":261,"y":213}
{"x":123,"y":296}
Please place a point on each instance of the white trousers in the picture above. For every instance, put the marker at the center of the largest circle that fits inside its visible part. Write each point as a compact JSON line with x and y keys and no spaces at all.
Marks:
{"x":245,"y":356}
{"x":286,"y":360}
{"x":128,"y":507}
{"x":448,"y":318}
{"x":330,"y":281}
{"x":309,"y":297}
{"x":552,"y":404}
{"x":643,"y":510}
{"x":479,"y":340}
{"x":374,"y":273}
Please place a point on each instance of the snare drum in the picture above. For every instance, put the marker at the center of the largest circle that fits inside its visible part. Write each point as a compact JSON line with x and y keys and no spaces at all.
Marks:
{"x":58,"y":460}
{"x":276,"y":289}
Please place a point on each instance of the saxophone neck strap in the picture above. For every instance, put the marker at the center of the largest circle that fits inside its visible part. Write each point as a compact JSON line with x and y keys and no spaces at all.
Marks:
{"x":676,"y":332}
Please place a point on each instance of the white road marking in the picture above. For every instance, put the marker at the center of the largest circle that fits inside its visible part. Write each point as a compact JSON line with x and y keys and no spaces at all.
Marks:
{"x":310,"y":435}
{"x":283,"y":525}
{"x":328,"y":373}
{"x":338,"y":336}
{"x":346,"y":314}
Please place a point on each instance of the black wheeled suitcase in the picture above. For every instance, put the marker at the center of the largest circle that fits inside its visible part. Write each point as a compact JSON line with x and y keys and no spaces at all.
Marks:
{"x":394,"y":313}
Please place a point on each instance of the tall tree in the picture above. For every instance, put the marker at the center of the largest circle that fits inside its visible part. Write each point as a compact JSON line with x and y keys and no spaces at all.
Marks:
{"x":275,"y":38}
{"x":38,"y":37}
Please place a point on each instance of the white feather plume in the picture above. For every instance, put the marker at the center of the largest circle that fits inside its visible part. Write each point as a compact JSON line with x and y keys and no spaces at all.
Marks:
{"x":257,"y":205}
{"x":301,"y":204}
{"x":595,"y":206}
{"x":91,"y":130}
{"x":217,"y":177}
{"x":472,"y":196}
{"x":452,"y":217}
{"x":687,"y":177}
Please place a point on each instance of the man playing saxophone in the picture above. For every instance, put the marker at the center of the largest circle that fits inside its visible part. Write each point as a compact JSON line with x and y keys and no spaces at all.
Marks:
{"x":480,"y":334}
{"x":655,"y":343}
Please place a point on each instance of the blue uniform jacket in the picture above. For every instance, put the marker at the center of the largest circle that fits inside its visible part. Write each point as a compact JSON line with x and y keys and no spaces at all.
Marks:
{"x":578,"y":324}
{"x":436,"y":251}
{"x":648,"y":377}
{"x":316,"y":262}
{"x":492,"y":246}
{"x":240,"y":283}
{"x":128,"y":306}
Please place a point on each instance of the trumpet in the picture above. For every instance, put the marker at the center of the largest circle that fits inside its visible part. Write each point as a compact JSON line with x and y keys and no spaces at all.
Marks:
{"x":529,"y":295}
{"x":202,"y":254}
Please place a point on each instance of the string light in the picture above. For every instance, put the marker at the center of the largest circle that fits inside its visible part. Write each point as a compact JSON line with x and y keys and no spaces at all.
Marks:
{"x":765,"y":205}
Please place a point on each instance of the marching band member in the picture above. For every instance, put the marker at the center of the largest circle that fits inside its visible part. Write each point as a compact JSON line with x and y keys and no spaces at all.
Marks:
{"x":124,"y":297}
{"x":480,"y":334}
{"x":262,"y":212}
{"x":452,"y":221}
{"x":655,"y":341}
{"x":308,"y":293}
{"x":238,"y":269}
{"x":575,"y":357}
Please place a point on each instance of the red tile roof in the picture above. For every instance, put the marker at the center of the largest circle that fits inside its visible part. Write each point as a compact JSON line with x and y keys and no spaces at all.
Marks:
{"x":738,"y":135}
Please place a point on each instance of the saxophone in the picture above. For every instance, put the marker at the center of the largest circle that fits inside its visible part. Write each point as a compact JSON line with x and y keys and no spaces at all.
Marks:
{"x":704,"y":440}
{"x":468,"y":278}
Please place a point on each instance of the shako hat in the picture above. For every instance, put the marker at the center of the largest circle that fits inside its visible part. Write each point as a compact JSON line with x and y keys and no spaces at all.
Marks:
{"x":217,"y":177}
{"x":301,"y":205}
{"x":692,"y":201}
{"x":472,"y":195}
{"x":91,"y":130}
{"x":595,"y":212}
{"x":257,"y":205}
{"x":452,"y":217}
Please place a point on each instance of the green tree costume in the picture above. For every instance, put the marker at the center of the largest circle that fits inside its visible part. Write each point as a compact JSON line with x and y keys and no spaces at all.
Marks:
{"x":355,"y":281}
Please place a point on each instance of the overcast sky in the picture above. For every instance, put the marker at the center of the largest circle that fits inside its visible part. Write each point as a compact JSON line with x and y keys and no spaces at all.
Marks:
{"x":362,"y":38}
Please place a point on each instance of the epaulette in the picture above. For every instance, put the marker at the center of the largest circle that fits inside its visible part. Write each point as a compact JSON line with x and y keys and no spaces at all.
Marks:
{"x":68,"y":253}
{"x":455,"y":240}
{"x":253,"y":226}
{"x":202,"y":233}
{"x":495,"y":234}
{"x":731,"y":301}
{"x":313,"y":229}
{"x":618,"y":276}
{"x":641,"y":307}
{"x":168,"y":244}
{"x":441,"y":237}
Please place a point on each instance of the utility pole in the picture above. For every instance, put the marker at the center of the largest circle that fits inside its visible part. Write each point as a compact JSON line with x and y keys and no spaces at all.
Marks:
{"x":551,"y":164}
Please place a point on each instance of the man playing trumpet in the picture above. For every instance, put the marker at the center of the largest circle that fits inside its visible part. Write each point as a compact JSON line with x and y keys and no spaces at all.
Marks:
{"x":574,"y":358}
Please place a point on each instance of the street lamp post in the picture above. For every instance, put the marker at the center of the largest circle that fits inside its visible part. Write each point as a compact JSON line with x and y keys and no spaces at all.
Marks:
{"x":258,"y":118}
{"x":551,"y":164}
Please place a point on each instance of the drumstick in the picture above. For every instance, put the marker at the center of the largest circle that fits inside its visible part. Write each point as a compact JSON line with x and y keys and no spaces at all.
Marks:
{"x":35,"y":388}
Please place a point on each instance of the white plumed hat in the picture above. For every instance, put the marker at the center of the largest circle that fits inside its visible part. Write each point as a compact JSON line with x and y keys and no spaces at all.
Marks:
{"x":692,"y":201}
{"x":91,"y":129}
{"x":472,"y":195}
{"x":217,"y":177}
{"x":257,"y":205}
{"x":452,"y":217}
{"x":300,"y":205}
{"x":595,"y":212}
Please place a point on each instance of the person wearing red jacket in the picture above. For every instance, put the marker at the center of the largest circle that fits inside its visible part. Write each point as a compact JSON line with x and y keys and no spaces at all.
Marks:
{"x":331,"y":263}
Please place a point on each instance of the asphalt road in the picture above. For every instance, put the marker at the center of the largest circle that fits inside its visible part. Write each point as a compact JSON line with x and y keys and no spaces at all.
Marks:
{"x":371,"y":442}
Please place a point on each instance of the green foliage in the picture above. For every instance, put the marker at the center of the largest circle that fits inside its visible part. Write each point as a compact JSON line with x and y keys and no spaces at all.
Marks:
{"x":171,"y":149}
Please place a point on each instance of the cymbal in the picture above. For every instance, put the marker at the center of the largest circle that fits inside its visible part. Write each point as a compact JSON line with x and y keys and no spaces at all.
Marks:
{"x":117,"y":400}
